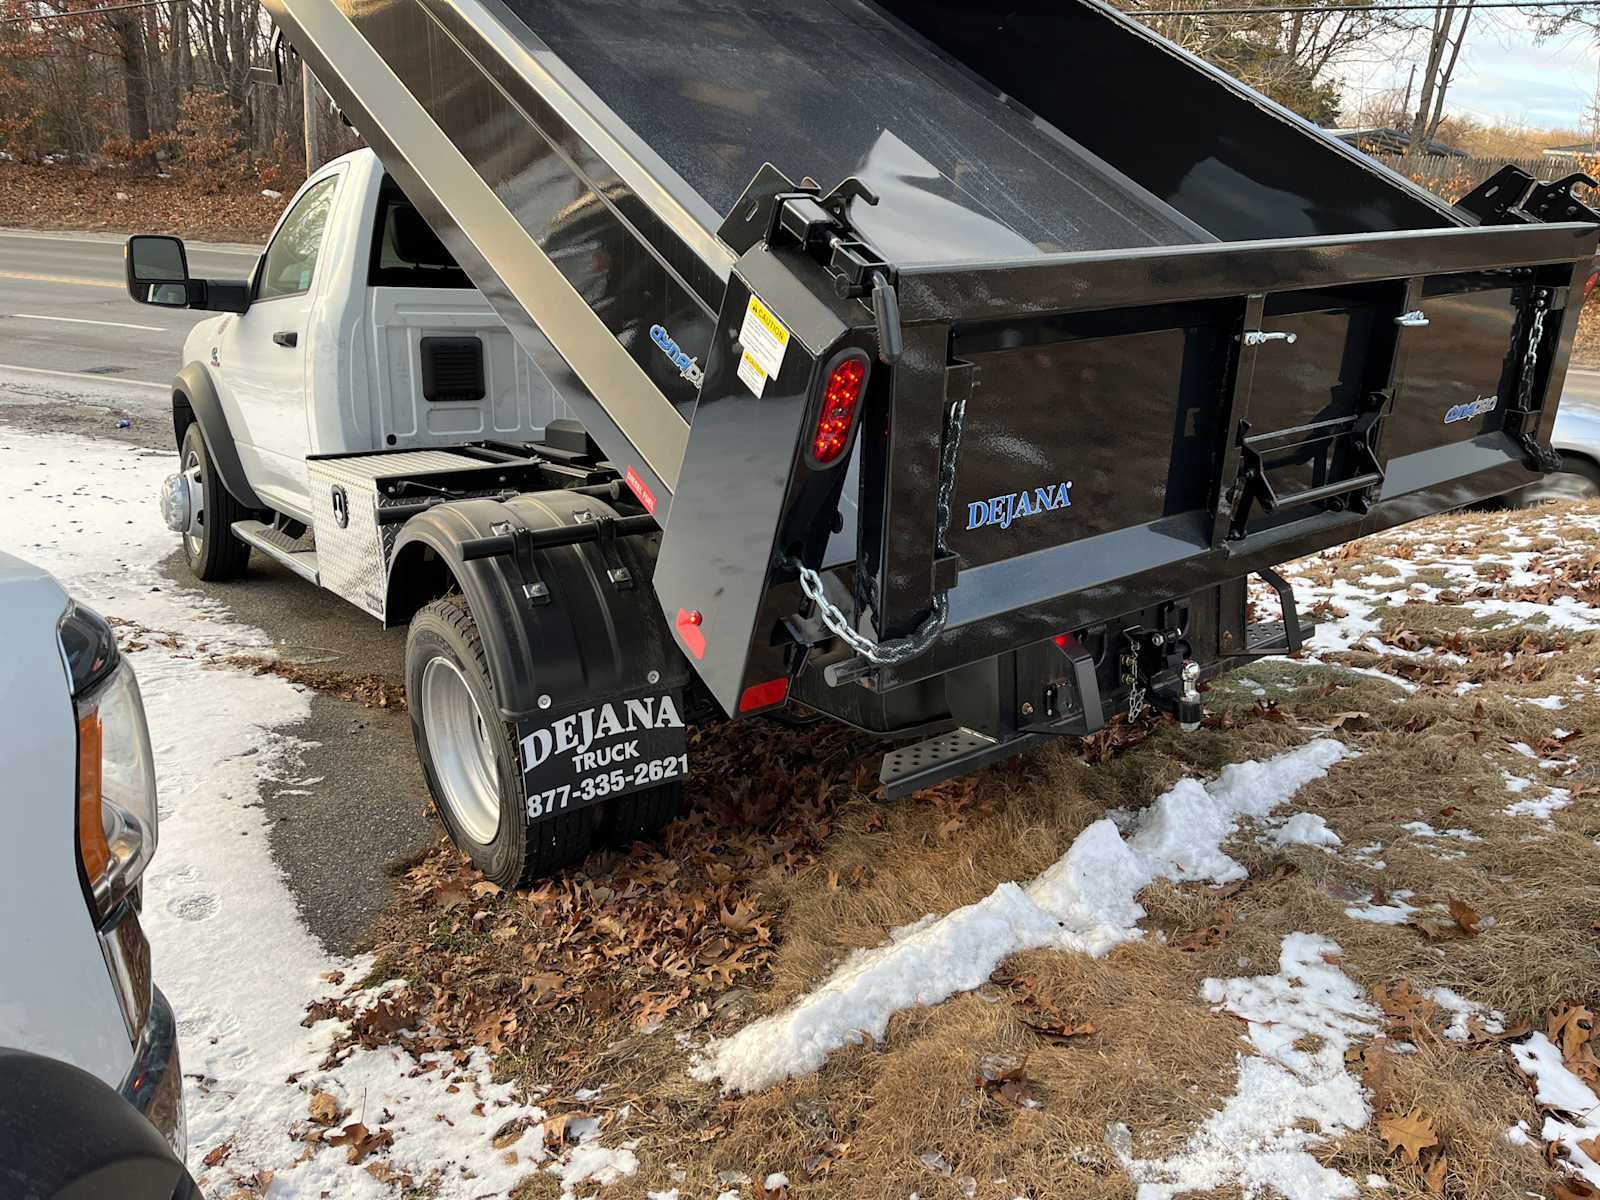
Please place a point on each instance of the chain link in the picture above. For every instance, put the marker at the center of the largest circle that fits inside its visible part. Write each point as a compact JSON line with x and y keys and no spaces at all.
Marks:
{"x":899,"y":650}
{"x":1530,"y":358}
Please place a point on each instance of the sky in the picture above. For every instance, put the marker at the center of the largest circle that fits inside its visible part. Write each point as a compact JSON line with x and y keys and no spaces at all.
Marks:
{"x":1504,"y":74}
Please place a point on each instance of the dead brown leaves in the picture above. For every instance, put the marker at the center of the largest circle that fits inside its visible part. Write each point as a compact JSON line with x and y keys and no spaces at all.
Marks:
{"x":629,"y":941}
{"x":360,"y":1141}
{"x":325,"y":1109}
{"x":1010,"y":1087}
{"x":365,"y":689}
{"x":62,"y":197}
{"x":1040,"y":1015}
{"x":1409,"y":1134}
{"x":1414,"y":1137}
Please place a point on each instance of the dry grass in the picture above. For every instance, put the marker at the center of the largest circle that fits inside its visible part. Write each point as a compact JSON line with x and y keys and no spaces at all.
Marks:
{"x":806,"y":843}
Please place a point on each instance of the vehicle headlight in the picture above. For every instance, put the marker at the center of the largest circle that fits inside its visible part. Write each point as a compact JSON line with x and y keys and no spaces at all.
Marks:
{"x":117,"y":825}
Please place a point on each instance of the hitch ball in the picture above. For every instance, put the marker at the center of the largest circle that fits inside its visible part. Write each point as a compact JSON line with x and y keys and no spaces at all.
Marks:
{"x":1190,"y":710}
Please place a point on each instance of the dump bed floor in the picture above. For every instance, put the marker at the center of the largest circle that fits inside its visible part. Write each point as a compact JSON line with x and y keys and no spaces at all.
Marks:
{"x":832,"y":88}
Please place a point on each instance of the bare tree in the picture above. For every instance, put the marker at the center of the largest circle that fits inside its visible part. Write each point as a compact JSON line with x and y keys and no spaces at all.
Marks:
{"x":1447,"y":35}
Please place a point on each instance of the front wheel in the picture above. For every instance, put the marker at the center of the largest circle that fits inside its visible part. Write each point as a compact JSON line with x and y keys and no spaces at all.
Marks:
{"x":210,"y":510}
{"x":469,"y":759}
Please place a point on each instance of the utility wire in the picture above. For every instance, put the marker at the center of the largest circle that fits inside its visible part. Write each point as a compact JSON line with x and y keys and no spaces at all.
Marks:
{"x":1333,"y":8}
{"x":83,"y":12}
{"x":1239,"y":10}
{"x":1133,"y":12}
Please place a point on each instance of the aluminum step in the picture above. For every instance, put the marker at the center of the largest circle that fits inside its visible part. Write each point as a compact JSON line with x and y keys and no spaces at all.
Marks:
{"x":298,"y":554}
{"x":924,"y":764}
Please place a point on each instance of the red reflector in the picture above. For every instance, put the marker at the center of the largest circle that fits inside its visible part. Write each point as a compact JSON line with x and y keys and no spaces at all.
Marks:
{"x":688,"y":626}
{"x":764,"y":695}
{"x":1062,"y":639}
{"x":839,"y":399}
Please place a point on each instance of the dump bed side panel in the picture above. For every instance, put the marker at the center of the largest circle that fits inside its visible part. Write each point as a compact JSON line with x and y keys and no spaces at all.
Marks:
{"x":1226,"y":157}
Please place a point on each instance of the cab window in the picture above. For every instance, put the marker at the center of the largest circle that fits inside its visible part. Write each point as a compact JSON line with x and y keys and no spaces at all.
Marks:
{"x":291,"y":260}
{"x":405,"y":250}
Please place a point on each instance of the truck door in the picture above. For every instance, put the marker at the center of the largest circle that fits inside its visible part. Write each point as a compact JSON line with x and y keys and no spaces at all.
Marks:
{"x":263,"y":353}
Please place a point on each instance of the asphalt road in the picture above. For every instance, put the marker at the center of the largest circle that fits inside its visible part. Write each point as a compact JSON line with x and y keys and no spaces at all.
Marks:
{"x":78,"y":356}
{"x":1584,"y":383}
{"x":65,"y":311}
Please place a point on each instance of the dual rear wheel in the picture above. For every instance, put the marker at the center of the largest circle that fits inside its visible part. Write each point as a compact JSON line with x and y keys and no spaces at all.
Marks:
{"x":469,"y":759}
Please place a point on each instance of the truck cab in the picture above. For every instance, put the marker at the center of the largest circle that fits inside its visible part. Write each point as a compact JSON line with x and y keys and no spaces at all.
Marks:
{"x":358,"y":332}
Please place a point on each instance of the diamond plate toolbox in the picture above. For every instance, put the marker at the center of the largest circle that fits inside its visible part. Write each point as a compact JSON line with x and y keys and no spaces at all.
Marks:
{"x":353,"y":549}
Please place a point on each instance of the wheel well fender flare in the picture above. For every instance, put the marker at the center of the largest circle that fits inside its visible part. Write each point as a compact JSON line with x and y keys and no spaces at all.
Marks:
{"x":591,"y":640}
{"x":194,"y":400}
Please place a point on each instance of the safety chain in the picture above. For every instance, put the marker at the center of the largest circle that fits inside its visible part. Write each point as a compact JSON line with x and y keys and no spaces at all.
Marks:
{"x":1530,"y":358}
{"x":1539,"y":456}
{"x":1135,"y":700}
{"x":899,"y":650}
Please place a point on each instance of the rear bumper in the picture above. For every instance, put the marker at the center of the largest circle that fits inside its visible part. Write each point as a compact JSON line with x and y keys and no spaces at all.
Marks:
{"x":154,"y":1084}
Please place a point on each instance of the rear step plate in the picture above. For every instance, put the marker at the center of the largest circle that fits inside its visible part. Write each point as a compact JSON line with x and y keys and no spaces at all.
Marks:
{"x":924,"y":764}
{"x":279,"y":547}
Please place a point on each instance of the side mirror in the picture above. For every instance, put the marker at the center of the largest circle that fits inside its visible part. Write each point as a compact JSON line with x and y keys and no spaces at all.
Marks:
{"x":157,"y":269}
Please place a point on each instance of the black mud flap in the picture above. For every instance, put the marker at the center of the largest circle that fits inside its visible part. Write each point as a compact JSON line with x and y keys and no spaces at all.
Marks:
{"x":602,"y":750}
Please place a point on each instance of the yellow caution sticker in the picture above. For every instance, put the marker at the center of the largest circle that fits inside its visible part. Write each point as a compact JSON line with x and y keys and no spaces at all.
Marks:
{"x":764,"y":339}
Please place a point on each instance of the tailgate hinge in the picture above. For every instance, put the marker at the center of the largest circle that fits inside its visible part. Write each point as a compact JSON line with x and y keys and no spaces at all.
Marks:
{"x":775,"y":210}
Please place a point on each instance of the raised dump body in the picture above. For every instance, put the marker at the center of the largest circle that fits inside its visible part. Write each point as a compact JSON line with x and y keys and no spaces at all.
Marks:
{"x":1124,"y":331}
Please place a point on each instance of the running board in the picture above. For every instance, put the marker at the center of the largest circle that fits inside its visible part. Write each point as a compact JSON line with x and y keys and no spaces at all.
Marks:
{"x":279,"y":547}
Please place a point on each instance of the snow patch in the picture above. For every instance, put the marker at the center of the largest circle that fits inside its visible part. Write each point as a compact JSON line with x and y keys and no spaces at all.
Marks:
{"x":1301,"y":1021}
{"x":1461,"y":1010}
{"x":1085,"y":902}
{"x":1395,"y":912}
{"x":1560,"y":1089}
{"x":1304,"y":829}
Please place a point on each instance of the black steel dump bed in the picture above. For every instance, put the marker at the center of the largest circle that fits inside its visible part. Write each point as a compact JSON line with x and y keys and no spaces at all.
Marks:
{"x":1157,"y":332}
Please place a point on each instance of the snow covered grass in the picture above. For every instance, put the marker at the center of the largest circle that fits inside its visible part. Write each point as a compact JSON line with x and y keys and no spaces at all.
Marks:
{"x":1084,"y":903}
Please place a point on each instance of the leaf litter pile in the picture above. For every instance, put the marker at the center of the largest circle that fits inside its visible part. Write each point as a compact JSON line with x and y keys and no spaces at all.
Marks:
{"x":1411,"y":945}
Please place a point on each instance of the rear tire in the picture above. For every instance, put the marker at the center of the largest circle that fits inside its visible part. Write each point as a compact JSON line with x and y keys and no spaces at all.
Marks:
{"x":641,"y":816}
{"x":474,"y":775}
{"x":215,"y":554}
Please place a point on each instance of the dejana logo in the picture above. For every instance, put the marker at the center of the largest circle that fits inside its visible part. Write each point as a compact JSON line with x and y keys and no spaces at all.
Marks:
{"x":1002,"y":510}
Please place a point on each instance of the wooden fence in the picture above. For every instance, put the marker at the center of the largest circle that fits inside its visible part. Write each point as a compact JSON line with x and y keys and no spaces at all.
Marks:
{"x":1453,"y":178}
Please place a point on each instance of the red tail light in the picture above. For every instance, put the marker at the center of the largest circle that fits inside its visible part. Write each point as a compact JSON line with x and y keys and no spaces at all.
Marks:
{"x":837,"y":413}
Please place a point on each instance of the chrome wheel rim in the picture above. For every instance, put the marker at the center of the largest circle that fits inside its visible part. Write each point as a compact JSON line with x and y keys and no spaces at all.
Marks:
{"x":460,"y":743}
{"x":197,"y":504}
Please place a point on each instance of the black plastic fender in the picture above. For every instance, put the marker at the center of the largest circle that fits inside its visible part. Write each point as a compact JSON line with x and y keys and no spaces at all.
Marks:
{"x":591,"y":640}
{"x":194,"y":391}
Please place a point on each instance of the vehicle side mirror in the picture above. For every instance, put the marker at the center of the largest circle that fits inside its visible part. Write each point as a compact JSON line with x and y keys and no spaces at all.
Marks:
{"x":158,"y":273}
{"x":158,"y":270}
